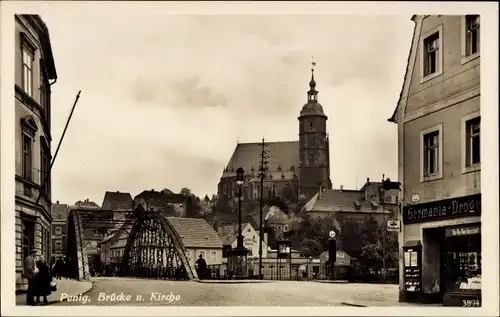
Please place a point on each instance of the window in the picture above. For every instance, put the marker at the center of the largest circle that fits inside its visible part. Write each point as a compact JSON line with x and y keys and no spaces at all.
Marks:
{"x":27,"y":157}
{"x":472,"y":34}
{"x":58,"y":245}
{"x":58,"y":230}
{"x":213,"y":255}
{"x":286,"y":228}
{"x":431,"y":159}
{"x":202,"y":253}
{"x":473,"y":148}
{"x":463,"y":263}
{"x":431,"y":153}
{"x":471,"y":142}
{"x":431,"y":58}
{"x":28,"y":57}
{"x":431,"y":45}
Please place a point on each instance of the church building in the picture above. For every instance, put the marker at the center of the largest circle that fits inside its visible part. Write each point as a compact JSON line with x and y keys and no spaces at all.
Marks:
{"x":294,"y":169}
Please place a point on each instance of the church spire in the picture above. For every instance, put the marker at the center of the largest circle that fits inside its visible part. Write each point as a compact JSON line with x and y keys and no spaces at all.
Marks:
{"x":312,"y":94}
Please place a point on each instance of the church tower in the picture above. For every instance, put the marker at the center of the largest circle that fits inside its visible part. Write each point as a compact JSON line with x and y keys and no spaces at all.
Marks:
{"x":314,"y":156}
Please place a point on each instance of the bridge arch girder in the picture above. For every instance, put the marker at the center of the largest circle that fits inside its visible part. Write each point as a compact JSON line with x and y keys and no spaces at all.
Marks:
{"x":155,"y":249}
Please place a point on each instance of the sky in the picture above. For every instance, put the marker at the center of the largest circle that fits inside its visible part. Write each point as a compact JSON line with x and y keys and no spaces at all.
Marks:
{"x":165,"y":98}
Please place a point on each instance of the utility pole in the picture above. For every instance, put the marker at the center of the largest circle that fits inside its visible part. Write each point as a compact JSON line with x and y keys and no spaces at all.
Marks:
{"x":46,"y":178}
{"x":262,"y":169}
{"x":384,"y":231}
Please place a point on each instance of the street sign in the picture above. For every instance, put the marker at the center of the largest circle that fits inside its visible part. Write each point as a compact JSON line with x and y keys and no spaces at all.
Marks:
{"x":393,"y":225}
{"x":332,"y":234}
{"x":415,"y":198}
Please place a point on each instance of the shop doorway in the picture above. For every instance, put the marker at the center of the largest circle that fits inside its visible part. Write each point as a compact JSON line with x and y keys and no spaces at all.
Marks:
{"x":28,"y":227}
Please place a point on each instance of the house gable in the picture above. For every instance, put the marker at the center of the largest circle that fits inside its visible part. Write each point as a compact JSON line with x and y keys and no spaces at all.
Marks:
{"x":400,"y":110}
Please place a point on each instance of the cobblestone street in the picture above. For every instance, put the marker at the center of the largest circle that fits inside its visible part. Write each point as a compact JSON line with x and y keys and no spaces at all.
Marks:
{"x":191,"y":293}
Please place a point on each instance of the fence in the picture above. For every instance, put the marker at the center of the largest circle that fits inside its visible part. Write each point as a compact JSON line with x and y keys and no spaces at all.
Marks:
{"x":348,"y":273}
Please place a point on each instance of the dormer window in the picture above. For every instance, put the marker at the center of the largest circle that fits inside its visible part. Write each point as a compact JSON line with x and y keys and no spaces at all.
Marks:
{"x":282,"y":176}
{"x":279,"y":168}
{"x":357,"y":204}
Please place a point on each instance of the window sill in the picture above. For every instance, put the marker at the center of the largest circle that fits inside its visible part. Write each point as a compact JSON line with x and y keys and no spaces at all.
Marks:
{"x":471,"y":168}
{"x":469,"y":58}
{"x":433,"y":177}
{"x":431,"y":76}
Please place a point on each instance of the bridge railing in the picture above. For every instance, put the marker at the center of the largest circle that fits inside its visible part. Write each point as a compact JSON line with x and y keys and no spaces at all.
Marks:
{"x":347,"y":273}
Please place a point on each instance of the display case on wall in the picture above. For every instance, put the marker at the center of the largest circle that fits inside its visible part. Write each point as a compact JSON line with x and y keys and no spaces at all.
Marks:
{"x":412,"y":269}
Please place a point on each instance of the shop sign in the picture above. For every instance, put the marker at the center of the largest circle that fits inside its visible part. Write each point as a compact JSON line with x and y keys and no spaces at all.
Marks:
{"x":462,"y":231}
{"x":393,"y":225}
{"x":466,"y":206}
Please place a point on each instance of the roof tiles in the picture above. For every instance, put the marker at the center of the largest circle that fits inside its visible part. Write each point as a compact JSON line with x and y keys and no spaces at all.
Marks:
{"x":195,"y":233}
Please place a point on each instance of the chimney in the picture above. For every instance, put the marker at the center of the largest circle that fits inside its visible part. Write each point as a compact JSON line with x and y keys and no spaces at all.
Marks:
{"x":152,"y":190}
{"x":341,"y":187}
{"x":117,"y":191}
{"x":367,"y":179}
{"x":57,"y":202}
{"x":320,"y":194}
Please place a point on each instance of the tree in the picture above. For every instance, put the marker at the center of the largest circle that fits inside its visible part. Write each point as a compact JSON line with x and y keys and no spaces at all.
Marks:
{"x":186,"y":191}
{"x":364,"y":240}
{"x":310,"y":235}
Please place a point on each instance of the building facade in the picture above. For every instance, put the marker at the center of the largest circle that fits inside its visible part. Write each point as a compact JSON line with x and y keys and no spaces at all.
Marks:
{"x":203,"y":241}
{"x":229,"y":234}
{"x":439,"y":128}
{"x":60,"y":213}
{"x":165,"y":201}
{"x":371,"y":200}
{"x":34,"y":74}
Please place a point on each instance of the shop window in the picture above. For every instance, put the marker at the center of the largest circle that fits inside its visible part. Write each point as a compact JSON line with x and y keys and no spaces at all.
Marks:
{"x":463,"y":263}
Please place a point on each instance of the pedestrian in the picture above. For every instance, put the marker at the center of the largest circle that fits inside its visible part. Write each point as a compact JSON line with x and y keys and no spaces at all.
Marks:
{"x":52,"y":265}
{"x":58,"y":268}
{"x":30,"y":270}
{"x":42,"y":281}
{"x":202,"y":267}
{"x":68,"y":268}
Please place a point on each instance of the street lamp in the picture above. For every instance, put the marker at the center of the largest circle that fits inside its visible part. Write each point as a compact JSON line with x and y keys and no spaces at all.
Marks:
{"x":239,"y":254}
{"x":332,"y":254}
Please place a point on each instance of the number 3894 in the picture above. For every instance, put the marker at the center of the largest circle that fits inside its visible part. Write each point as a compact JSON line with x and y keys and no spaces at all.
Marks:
{"x":471,"y":303}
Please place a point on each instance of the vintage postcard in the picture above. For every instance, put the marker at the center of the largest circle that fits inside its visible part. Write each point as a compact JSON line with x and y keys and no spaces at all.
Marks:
{"x":243,"y":158}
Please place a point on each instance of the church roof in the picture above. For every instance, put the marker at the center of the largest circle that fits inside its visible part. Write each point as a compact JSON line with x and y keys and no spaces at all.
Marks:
{"x":312,"y":109}
{"x":283,"y":158}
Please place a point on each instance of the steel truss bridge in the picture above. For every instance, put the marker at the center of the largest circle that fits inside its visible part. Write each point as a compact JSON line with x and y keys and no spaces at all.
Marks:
{"x":154,"y":248}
